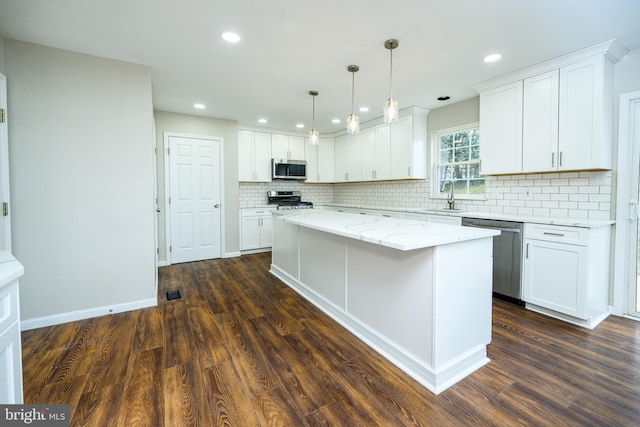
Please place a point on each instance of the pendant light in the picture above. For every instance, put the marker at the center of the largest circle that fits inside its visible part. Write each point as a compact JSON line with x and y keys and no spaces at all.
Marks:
{"x":353,"y":121}
{"x":391,"y":106}
{"x":314,"y":136}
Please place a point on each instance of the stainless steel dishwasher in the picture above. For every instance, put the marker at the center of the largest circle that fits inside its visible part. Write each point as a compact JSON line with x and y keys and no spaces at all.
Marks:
{"x":507,"y":257}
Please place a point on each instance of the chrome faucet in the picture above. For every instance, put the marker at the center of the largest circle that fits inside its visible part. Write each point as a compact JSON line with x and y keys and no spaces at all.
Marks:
{"x":450,"y":197}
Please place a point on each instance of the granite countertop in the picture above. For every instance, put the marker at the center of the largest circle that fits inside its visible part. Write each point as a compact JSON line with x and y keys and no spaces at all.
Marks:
{"x":394,"y":233}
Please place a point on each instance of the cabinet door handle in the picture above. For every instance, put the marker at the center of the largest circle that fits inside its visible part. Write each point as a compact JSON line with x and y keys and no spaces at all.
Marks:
{"x":553,"y":160}
{"x":548,"y":233}
{"x":527,"y":251}
{"x":561,"y":159}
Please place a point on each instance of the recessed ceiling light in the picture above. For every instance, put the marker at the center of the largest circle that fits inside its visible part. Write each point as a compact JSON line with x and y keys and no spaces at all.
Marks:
{"x":230,"y":37}
{"x":335,"y":121}
{"x":492,"y":58}
{"x":364,"y":109}
{"x":300,"y":125}
{"x":199,"y":106}
{"x":262,"y":120}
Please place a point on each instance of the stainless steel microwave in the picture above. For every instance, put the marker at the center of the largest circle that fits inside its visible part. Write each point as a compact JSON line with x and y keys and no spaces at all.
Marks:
{"x":288,"y":169}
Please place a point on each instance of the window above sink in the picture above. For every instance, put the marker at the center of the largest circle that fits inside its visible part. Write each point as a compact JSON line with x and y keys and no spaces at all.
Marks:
{"x":456,"y":157}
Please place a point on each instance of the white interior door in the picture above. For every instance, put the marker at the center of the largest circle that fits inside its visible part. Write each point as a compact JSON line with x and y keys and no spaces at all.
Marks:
{"x":195,"y":198}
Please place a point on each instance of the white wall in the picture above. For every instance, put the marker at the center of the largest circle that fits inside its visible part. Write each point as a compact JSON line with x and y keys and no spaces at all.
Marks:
{"x":2,"y":67}
{"x":203,"y":126}
{"x":81,"y":160}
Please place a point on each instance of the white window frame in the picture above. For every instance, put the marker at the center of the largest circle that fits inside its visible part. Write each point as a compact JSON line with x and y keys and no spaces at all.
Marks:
{"x":435,"y":158}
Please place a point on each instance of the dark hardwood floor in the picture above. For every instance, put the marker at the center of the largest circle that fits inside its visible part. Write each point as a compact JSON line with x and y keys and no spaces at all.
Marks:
{"x":242,"y":349}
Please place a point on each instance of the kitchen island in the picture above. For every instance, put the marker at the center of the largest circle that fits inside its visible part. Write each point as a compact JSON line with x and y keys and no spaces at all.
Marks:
{"x":418,"y":293}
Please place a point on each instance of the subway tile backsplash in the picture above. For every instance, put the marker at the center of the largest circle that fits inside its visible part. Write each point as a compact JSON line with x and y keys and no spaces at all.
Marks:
{"x":564,"y":194}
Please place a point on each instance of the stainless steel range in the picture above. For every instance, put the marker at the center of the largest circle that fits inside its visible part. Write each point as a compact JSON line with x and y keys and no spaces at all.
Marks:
{"x":288,"y":200}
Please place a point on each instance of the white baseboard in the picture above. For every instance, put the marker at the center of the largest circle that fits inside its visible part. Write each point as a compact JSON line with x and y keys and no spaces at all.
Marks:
{"x":163,"y":263}
{"x":56,"y":319}
{"x":231,"y":254}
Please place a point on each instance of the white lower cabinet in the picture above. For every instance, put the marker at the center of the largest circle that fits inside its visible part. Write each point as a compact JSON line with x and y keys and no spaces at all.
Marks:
{"x":566,"y":272}
{"x":256,"y":229}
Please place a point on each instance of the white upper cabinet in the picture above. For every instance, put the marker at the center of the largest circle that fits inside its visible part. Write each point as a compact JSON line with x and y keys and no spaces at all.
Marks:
{"x":380,"y":151}
{"x":348,"y":158}
{"x":409,"y":145}
{"x":556,"y":116}
{"x":540,"y":123}
{"x":383,"y":151}
{"x":320,"y":161}
{"x":586,"y":114}
{"x":501,"y":129}
{"x":369,"y":154}
{"x":382,"y":164}
{"x":287,"y":147}
{"x":254,"y":156}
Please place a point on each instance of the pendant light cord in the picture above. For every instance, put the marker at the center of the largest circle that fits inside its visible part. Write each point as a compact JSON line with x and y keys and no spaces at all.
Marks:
{"x":313,"y":119}
{"x":391,"y":74}
{"x":353,"y":80}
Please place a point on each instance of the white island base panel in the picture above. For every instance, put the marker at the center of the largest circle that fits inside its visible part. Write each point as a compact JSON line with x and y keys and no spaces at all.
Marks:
{"x":427,"y":310}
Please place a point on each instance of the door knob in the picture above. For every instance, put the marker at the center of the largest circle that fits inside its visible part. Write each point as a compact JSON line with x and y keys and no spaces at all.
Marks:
{"x":216,"y":206}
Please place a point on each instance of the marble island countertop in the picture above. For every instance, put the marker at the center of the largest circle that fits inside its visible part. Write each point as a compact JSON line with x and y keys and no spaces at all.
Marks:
{"x":394,"y":233}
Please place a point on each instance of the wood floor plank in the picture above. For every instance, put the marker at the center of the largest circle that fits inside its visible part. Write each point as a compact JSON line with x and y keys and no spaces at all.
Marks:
{"x":207,"y":339}
{"x":145,"y":400}
{"x":177,"y":334}
{"x":240,"y":348}
{"x":99,"y":407}
{"x":110,"y":362}
{"x":228,"y":397}
{"x":248,"y":358}
{"x":185,"y":403}
{"x":297,"y":378}
{"x":149,"y":332}
{"x":275,"y":408}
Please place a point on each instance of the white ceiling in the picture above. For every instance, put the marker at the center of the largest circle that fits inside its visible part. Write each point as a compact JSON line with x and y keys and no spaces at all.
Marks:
{"x":291,"y":47}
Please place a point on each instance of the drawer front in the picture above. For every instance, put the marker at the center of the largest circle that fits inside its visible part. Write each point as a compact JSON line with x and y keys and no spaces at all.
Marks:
{"x":557,"y":233}
{"x":8,"y":305}
{"x":256,"y":211}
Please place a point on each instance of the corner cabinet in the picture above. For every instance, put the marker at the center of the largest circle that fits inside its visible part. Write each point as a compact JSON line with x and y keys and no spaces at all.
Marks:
{"x":555,"y":116}
{"x":254,"y":156}
{"x":566,"y":272}
{"x":256,"y":229}
{"x":10,"y":339}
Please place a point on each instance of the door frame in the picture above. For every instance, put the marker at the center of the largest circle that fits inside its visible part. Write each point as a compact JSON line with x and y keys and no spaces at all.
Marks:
{"x":167,"y":189}
{"x":626,"y":203}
